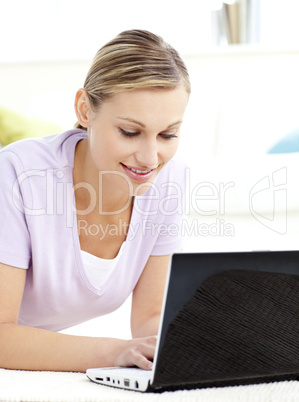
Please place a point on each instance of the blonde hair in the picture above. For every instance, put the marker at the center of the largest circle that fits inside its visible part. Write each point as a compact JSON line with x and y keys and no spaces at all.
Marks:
{"x":134,"y":59}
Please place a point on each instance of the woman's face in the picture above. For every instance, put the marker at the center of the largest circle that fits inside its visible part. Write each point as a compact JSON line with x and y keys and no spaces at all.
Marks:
{"x":134,"y":134}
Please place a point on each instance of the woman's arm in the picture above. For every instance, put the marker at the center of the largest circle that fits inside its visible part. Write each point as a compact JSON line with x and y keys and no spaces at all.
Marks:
{"x":29,"y":348}
{"x":148,"y":297}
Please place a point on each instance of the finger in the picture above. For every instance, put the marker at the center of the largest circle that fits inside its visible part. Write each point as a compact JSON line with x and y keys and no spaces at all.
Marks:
{"x":149,"y":339}
{"x":143,"y":363}
{"x":146,"y":349}
{"x":152,"y":339}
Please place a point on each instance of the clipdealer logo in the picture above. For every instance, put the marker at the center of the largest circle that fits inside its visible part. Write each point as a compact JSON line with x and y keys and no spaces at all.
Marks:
{"x":267,"y":202}
{"x":273,"y":189}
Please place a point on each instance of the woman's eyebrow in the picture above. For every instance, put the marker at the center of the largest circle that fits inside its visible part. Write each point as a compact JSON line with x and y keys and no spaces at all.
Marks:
{"x":143,"y":125}
{"x":131,"y":120}
{"x":174,"y":124}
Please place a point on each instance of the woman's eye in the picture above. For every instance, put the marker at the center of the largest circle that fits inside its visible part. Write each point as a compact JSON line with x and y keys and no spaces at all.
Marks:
{"x":168,"y":136}
{"x":164,"y":136}
{"x":128,"y":133}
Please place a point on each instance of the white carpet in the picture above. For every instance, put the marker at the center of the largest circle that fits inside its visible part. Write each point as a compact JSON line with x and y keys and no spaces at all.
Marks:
{"x":50,"y":386}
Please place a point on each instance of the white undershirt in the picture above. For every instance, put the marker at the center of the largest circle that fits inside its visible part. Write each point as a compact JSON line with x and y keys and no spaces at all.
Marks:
{"x":97,"y":269}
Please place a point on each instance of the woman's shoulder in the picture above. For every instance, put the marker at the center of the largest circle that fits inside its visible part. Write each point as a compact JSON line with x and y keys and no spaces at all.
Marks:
{"x":53,"y":151}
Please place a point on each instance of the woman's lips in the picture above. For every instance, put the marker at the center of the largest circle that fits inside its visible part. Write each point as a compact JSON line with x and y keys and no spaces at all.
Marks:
{"x":138,"y":174}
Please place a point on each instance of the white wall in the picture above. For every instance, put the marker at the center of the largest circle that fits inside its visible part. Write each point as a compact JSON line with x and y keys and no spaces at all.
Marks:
{"x":243,"y":101}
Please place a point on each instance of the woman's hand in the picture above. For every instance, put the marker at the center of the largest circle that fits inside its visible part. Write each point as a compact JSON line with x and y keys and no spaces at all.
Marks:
{"x":138,"y":352}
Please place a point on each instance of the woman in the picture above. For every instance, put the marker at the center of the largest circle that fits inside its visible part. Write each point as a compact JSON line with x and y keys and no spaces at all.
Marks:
{"x":91,"y":215}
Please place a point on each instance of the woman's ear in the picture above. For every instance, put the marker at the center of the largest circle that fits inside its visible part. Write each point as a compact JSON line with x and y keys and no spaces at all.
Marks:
{"x":82,"y":108}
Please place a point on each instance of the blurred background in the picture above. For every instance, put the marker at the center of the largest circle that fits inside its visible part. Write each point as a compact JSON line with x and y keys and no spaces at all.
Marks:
{"x":242,"y":56}
{"x":241,"y":129}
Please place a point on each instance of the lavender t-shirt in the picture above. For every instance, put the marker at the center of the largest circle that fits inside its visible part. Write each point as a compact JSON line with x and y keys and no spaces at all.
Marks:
{"x":39,"y":232}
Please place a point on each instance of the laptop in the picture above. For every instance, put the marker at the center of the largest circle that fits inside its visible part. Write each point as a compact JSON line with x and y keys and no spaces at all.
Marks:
{"x":227,"y":318}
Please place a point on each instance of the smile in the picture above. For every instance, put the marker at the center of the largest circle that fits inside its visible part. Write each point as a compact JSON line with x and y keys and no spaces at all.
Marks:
{"x":139,"y":171}
{"x":138,"y":174}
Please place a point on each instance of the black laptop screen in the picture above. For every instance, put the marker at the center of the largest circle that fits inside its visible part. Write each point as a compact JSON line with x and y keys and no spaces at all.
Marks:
{"x":250,"y":280}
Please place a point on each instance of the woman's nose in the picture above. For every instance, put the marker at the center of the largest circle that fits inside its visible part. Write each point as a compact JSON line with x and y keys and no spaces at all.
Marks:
{"x":147,"y":154}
